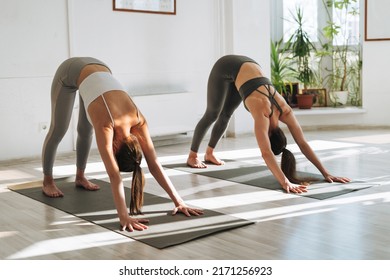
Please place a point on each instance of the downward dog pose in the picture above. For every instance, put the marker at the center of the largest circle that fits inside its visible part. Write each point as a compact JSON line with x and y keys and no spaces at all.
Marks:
{"x":235,"y":79}
{"x":121,"y":133}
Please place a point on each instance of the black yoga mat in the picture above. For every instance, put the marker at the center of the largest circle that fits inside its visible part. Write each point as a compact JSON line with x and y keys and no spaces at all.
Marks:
{"x":164,"y":229}
{"x":259,"y":176}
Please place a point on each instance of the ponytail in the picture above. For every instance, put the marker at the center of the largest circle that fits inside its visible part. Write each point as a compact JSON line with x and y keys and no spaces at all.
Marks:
{"x":289,"y":166}
{"x":129,"y":159}
{"x":137,"y":191}
{"x":288,"y":163}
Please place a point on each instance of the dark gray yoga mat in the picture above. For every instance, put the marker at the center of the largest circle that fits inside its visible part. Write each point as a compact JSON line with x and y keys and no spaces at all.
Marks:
{"x":259,"y":176}
{"x":164,"y":229}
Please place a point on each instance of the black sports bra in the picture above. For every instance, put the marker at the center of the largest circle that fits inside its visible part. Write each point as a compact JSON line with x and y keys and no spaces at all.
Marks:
{"x":252,"y":85}
{"x":271,"y":98}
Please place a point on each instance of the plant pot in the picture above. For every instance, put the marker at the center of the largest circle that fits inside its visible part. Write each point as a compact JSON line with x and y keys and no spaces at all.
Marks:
{"x":339,"y":97}
{"x":305,"y":101}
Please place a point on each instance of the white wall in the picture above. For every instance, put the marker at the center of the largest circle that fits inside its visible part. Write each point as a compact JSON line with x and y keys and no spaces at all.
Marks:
{"x":376,"y":93}
{"x":148,"y":53}
{"x":250,"y":35}
{"x":34,"y":40}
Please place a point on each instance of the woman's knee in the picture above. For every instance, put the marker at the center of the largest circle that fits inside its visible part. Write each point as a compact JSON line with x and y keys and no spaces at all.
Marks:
{"x":85,"y":131}
{"x":211,"y":115}
{"x":57,"y":132}
{"x":224,"y":117}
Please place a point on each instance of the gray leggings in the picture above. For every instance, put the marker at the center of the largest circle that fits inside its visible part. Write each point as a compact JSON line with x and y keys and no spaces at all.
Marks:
{"x":63,"y":94}
{"x":222,"y":100}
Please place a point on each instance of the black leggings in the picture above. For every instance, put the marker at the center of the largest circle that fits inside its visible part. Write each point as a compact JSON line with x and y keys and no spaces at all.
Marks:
{"x":223,"y":99}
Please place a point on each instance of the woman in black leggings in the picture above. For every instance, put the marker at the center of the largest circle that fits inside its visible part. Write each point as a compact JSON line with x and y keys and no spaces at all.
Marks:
{"x":235,"y":79}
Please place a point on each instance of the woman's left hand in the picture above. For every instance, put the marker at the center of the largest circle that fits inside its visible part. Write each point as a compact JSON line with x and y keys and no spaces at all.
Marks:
{"x":188,"y":211}
{"x":331,"y":179}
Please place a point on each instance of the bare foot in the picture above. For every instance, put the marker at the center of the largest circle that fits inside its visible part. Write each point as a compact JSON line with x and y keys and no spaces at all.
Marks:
{"x":195,"y":162}
{"x":51,"y":190}
{"x":210,"y":158}
{"x":84,"y":183}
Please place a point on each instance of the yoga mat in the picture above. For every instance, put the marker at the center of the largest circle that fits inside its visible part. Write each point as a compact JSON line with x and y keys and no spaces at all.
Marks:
{"x":260,"y":176}
{"x":98,"y":207}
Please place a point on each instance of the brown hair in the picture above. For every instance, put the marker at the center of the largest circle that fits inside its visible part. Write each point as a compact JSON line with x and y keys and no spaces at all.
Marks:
{"x":288,"y":164}
{"x":129,"y":158}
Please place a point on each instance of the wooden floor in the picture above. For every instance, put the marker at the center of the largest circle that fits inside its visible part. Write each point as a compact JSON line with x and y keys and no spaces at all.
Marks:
{"x":288,"y":227}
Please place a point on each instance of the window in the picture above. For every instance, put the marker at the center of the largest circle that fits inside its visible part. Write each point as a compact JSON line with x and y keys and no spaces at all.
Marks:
{"x":351,"y":18}
{"x":333,"y":27}
{"x":316,"y":15}
{"x":310,"y":16}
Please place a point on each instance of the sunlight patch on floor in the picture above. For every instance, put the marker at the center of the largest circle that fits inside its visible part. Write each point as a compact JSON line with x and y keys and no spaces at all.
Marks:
{"x":204,"y":188}
{"x":70,"y":169}
{"x":58,"y":223}
{"x":369,"y":139}
{"x":259,"y":215}
{"x":322,"y":145}
{"x":12,"y":174}
{"x":296,"y":214}
{"x":68,"y":244}
{"x":236,"y":154}
{"x":4,"y":234}
{"x":234,"y":200}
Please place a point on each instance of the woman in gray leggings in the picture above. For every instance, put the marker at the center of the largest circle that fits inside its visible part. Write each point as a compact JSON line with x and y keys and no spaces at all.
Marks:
{"x":235,"y":79}
{"x":121,"y":133}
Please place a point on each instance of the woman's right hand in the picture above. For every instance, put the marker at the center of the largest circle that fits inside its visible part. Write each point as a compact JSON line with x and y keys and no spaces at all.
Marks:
{"x":294,"y":188}
{"x":132,"y":224}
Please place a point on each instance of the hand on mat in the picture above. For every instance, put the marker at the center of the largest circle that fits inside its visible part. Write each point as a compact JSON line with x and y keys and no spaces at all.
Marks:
{"x":294,"y":188}
{"x":188,"y":211}
{"x":331,"y":179}
{"x":132,"y":224}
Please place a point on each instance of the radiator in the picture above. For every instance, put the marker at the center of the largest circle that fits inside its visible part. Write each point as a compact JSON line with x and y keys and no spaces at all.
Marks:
{"x":167,"y":114}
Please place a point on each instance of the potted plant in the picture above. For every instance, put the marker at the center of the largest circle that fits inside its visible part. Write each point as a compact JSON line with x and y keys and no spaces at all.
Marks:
{"x":346,"y":62}
{"x":282,"y":73}
{"x":301,"y":48}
